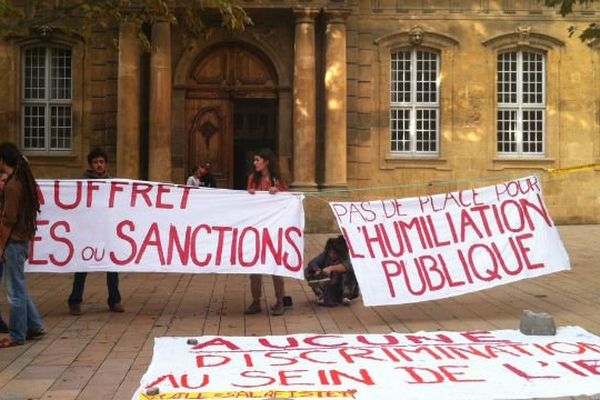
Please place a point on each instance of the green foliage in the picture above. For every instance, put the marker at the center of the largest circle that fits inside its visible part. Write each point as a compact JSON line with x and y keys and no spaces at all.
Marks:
{"x":588,"y":34}
{"x":82,"y":17}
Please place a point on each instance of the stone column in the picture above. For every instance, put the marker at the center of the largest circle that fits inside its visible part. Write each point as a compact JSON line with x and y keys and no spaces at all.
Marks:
{"x":128,"y":103}
{"x":159,"y":143}
{"x":305,"y":92}
{"x":335,"y":99}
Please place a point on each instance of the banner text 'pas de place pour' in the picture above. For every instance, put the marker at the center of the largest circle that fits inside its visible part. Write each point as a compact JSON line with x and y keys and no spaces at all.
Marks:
{"x":436,"y":246}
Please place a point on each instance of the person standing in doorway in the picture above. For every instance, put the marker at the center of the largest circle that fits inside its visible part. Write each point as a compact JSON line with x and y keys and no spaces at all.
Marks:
{"x":18,"y":224}
{"x":194,"y":179}
{"x":206,"y":178}
{"x":201,"y":177}
{"x":97,"y":160}
{"x":266,"y":177}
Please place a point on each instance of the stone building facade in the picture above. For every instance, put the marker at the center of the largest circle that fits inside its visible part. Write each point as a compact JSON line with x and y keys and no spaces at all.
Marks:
{"x":432,"y":95}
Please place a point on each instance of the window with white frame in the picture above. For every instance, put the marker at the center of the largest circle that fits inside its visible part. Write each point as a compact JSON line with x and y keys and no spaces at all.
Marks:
{"x":46,"y":106}
{"x":521,"y":103}
{"x":415,"y":102}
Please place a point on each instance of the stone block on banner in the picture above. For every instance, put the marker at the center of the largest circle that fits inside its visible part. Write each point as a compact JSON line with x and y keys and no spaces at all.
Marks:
{"x":538,"y":324}
{"x":192,"y":342}
{"x":153,"y":391}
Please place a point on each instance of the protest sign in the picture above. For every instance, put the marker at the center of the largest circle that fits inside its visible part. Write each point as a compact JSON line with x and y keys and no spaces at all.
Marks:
{"x":424,"y":365}
{"x":437,"y":246}
{"x":134,"y":226}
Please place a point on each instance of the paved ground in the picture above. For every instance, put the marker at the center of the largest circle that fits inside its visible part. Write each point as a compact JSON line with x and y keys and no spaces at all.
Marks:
{"x":102,"y":355}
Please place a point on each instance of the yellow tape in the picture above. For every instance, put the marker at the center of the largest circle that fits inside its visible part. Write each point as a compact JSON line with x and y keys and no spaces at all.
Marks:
{"x":253,"y":394}
{"x":573,"y":169}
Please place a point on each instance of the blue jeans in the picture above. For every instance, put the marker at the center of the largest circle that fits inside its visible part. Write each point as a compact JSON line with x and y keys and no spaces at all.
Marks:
{"x":23,"y":314}
{"x":112,"y":283}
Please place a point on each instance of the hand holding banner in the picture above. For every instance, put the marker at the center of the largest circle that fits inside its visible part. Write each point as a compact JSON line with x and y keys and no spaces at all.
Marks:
{"x":437,"y":246}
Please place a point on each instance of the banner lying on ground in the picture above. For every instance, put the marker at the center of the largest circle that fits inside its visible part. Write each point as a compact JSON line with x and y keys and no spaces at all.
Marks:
{"x":133,"y":226}
{"x":437,"y":246}
{"x":425,"y":365}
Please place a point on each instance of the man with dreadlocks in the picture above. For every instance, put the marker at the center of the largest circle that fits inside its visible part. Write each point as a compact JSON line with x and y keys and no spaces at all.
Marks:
{"x":17,"y":227}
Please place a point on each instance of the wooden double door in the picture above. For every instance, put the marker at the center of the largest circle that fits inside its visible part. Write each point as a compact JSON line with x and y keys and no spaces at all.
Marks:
{"x":231,"y":111}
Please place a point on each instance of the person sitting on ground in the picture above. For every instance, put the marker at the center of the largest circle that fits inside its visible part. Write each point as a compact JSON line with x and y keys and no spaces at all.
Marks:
{"x":206,"y":178}
{"x":330,"y":275}
{"x":97,"y":161}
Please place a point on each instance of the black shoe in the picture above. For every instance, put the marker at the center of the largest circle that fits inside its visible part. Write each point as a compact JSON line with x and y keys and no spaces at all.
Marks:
{"x":35,"y":335}
{"x":3,"y":326}
{"x":254,"y":308}
{"x":288,"y":302}
{"x":116,"y":308}
{"x":75,"y":309}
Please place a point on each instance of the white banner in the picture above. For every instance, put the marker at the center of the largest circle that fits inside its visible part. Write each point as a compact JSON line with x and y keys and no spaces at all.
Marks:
{"x":134,"y":226}
{"x":437,"y":246}
{"x":425,"y":365}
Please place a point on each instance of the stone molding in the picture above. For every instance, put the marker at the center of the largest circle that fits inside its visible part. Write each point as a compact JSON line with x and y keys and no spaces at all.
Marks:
{"x":336,"y":15}
{"x":523,"y":36}
{"x":407,"y":38}
{"x":386,"y":45}
{"x":306,"y":14}
{"x":80,"y":96}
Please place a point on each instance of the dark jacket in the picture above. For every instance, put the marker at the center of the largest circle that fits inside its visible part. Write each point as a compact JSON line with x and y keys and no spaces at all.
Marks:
{"x":208,"y":181}
{"x":91,"y":174}
{"x":12,"y":221}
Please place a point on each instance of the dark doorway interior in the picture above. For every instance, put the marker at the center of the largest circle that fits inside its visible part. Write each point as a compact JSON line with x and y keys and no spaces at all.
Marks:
{"x":254,"y":127}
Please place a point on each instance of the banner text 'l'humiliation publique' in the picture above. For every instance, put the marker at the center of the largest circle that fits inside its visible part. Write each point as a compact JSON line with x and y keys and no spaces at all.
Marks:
{"x":402,"y":250}
{"x":437,"y":246}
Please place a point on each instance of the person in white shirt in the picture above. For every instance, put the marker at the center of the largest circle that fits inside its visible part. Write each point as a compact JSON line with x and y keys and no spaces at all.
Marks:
{"x":194,"y":179}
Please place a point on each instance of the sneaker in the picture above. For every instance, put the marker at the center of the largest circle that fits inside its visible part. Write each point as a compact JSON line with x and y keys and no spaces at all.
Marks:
{"x":116,"y":308}
{"x":253,"y":308}
{"x":75,"y":309}
{"x":347,"y":301}
{"x":3,"y":326}
{"x":277,"y":309}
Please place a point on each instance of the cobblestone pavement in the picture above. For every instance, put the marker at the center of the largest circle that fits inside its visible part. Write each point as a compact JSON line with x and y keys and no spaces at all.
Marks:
{"x":102,"y":355}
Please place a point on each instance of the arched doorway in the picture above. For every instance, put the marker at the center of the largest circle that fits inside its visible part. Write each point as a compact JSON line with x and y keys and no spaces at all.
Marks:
{"x":230,"y":110}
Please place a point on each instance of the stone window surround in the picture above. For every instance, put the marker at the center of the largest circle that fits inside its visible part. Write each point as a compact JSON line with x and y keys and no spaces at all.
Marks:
{"x":47,"y":102}
{"x":16,"y":51}
{"x":386,"y":45}
{"x":411,"y":106}
{"x":525,"y":40}
{"x":520,"y":107}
